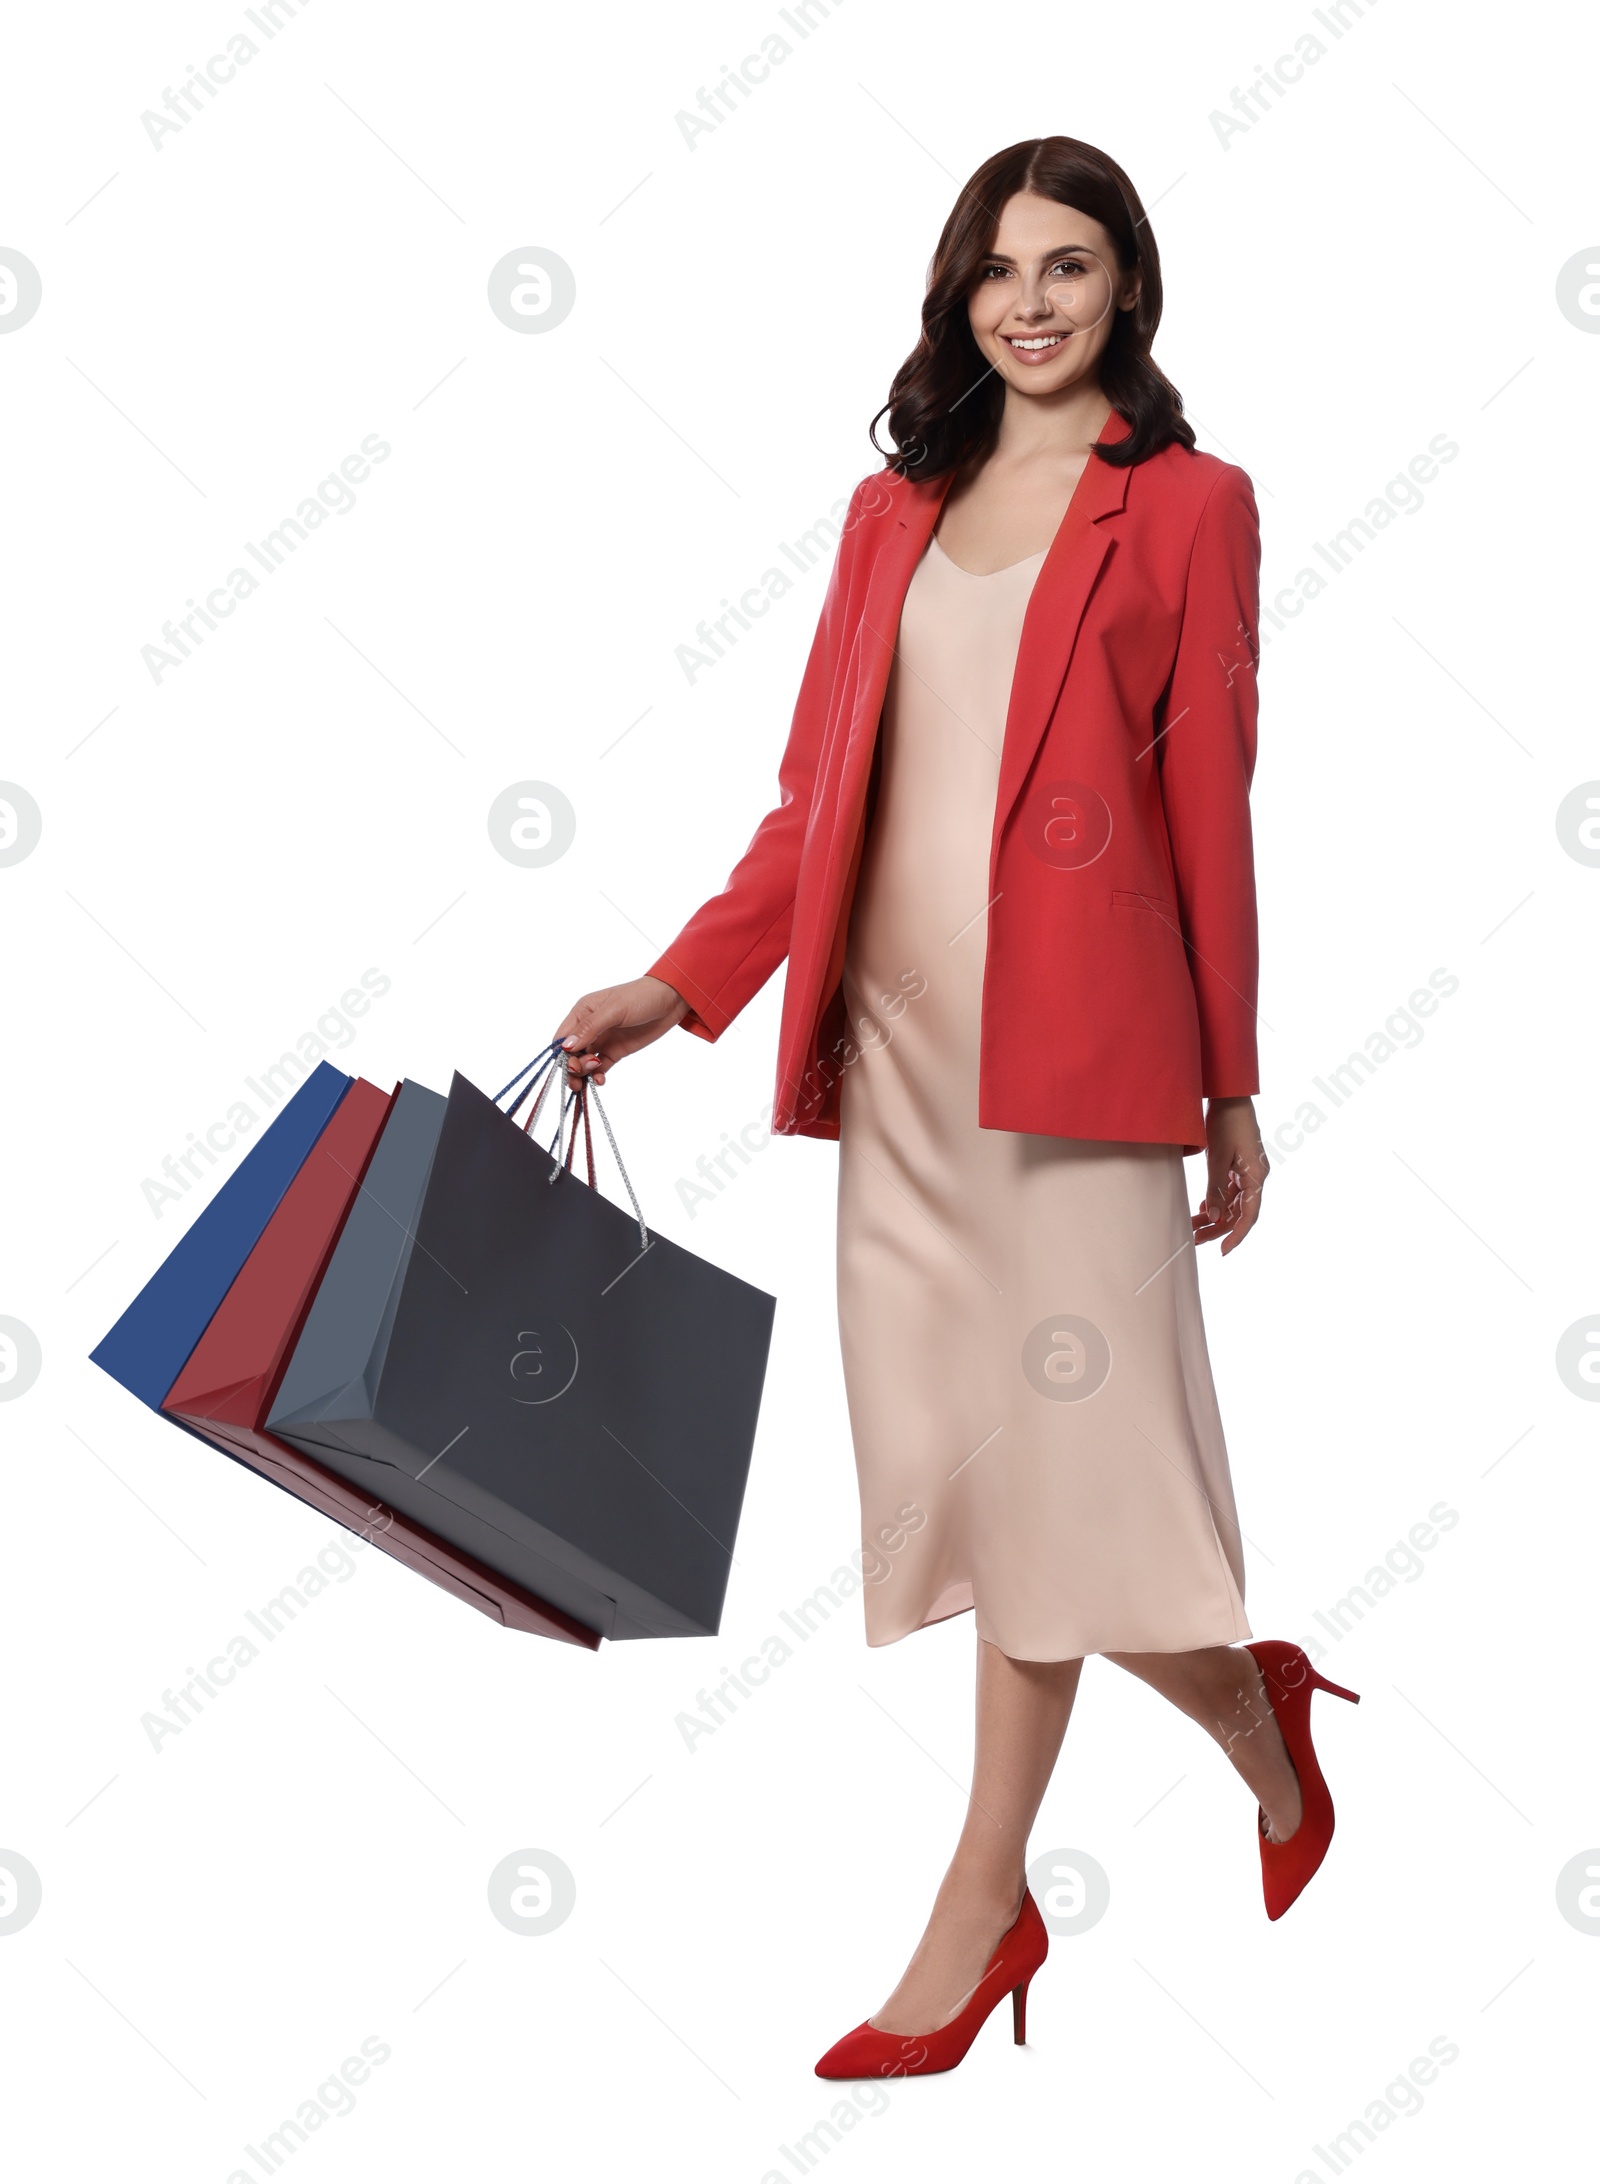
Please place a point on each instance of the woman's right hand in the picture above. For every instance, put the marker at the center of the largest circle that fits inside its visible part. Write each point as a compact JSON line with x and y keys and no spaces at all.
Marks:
{"x":617,"y":1020}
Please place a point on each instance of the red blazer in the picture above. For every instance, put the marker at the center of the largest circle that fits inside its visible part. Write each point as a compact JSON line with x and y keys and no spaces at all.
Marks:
{"x":1119,"y":984}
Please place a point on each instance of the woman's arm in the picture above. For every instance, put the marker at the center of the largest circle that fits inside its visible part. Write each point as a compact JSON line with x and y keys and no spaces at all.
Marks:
{"x":734,"y":942}
{"x":732,"y":945}
{"x":1206,"y":749}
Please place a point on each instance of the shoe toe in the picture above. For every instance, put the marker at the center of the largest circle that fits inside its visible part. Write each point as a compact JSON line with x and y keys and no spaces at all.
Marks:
{"x":869,"y":2053}
{"x":852,"y":2056}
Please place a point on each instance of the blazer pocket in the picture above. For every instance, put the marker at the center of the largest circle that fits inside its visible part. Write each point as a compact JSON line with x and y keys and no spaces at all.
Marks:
{"x":1125,"y":898}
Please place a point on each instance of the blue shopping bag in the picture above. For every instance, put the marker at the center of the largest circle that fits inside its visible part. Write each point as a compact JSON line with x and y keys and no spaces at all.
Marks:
{"x":150,"y":1345}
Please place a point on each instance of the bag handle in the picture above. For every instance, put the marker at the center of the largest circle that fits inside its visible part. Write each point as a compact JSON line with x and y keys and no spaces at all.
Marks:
{"x":551,"y":1061}
{"x":540,"y":1061}
{"x":588,"y":1135}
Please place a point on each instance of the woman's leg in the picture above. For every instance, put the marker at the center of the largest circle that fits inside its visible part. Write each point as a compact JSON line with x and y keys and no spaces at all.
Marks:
{"x":1221,"y":1688}
{"x":1022,"y":1716}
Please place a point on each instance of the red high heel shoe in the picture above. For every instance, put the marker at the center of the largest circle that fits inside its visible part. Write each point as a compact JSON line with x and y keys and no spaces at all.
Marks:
{"x":869,"y":2053}
{"x":1290,"y":1680}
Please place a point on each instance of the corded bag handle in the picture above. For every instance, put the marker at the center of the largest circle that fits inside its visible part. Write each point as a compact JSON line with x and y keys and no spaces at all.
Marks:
{"x":551,"y":1061}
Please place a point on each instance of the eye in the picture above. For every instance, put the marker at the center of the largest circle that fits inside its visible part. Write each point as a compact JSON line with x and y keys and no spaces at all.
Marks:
{"x":1069,"y":265}
{"x":990,"y":271}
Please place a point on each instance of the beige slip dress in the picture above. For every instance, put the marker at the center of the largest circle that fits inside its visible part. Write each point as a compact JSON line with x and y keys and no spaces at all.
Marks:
{"x":1036,"y":1431}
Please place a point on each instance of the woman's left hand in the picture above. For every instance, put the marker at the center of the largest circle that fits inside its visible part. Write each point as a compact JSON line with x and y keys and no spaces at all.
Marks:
{"x":1237,"y":1167}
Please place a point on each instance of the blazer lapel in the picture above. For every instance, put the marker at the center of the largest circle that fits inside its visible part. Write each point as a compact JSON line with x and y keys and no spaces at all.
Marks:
{"x":852,"y":735}
{"x":902,"y":546}
{"x":904,"y":543}
{"x":1060,"y":595}
{"x":1055,"y":610}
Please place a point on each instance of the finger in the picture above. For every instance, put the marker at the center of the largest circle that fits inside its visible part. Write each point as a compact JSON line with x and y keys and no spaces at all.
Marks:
{"x":1249,"y":1210}
{"x":616,"y":1043}
{"x":588,"y":1021}
{"x":1247,"y":1217}
{"x":574,"y":1024}
{"x":1212,"y":1219}
{"x":1222,"y":1201}
{"x":1222,"y":1193}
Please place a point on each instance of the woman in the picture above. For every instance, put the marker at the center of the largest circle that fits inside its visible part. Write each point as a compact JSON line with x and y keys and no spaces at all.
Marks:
{"x":1011,"y":871}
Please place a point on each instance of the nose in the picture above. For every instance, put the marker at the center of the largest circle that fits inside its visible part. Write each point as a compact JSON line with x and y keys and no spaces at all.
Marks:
{"x":1035,"y":302}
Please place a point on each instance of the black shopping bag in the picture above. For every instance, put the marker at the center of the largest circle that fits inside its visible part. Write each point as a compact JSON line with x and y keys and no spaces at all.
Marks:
{"x":503,"y":1354}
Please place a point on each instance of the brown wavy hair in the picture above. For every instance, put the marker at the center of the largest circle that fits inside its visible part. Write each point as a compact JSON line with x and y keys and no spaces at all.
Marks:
{"x":944,"y":406}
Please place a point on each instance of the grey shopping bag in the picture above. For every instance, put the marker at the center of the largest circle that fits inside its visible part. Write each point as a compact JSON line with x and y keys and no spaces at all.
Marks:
{"x":500,"y":1352}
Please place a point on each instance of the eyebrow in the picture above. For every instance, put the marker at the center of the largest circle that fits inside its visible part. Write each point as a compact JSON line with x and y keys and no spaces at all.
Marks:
{"x":1067,"y":250}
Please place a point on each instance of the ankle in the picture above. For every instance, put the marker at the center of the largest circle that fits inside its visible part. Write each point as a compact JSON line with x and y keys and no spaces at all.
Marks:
{"x":1241,"y":1710}
{"x":981,"y":1887}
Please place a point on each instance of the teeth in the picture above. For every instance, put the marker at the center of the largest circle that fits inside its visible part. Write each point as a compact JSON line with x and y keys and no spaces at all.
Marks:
{"x":1043,"y":341}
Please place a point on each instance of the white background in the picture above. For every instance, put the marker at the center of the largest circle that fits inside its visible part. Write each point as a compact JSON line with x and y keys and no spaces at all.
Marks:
{"x":1372,"y":263}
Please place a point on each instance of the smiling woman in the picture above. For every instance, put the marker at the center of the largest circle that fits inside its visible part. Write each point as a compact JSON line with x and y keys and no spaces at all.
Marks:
{"x":1020,"y":765}
{"x":1102,"y":275}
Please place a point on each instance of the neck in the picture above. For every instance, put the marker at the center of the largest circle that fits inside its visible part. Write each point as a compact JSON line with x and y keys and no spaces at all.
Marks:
{"x":1034,"y":425}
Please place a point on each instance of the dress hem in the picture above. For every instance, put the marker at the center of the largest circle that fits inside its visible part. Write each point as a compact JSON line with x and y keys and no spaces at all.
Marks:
{"x":1195,"y":1643}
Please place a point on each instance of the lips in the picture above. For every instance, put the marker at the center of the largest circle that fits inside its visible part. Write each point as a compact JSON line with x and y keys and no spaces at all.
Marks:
{"x":1034,"y":348}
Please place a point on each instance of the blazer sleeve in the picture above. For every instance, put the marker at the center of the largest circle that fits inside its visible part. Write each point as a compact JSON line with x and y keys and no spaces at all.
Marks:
{"x":1206,"y":750}
{"x":731,"y":946}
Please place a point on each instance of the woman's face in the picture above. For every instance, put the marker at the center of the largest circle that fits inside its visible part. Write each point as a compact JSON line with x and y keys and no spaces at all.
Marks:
{"x":1047,"y":296}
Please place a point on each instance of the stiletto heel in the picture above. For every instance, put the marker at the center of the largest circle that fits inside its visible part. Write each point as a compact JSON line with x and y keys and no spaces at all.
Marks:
{"x":869,"y":2053}
{"x":1290,"y":1680}
{"x":1337,"y":1689}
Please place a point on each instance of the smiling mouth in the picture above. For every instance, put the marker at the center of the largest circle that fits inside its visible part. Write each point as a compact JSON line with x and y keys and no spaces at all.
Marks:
{"x":1034,"y":344}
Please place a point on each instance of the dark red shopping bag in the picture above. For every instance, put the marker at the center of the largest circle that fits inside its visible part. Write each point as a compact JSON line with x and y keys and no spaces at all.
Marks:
{"x":227,"y":1388}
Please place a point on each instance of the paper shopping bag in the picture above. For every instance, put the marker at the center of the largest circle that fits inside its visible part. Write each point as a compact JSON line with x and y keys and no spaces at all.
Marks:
{"x":225,"y":1390}
{"x":500,"y":1352}
{"x":151,"y":1342}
